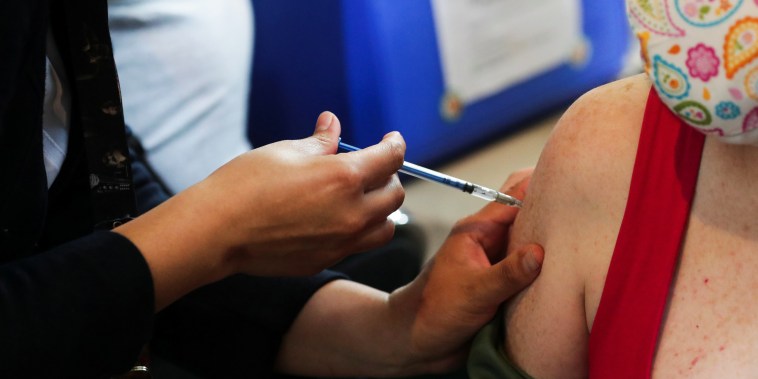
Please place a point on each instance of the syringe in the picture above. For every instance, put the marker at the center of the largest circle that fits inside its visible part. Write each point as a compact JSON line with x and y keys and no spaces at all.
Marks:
{"x":481,"y":192}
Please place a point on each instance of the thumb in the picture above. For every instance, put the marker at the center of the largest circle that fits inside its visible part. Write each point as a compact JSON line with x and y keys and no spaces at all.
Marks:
{"x":514,"y":273}
{"x":327,"y":132}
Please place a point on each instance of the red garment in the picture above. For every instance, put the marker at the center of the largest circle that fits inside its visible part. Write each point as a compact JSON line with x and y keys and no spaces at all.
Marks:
{"x":625,"y":332}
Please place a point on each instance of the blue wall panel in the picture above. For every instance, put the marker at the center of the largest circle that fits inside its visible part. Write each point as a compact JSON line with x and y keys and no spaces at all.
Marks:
{"x":375,"y":63}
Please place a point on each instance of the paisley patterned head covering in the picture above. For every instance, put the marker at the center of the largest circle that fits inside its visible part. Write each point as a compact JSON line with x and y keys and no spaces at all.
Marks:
{"x":701,"y":56}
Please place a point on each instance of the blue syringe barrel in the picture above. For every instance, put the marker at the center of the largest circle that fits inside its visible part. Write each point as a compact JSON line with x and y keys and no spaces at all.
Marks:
{"x":434,"y":176}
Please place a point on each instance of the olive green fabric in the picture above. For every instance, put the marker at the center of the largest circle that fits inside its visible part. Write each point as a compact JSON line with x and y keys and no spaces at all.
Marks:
{"x":487,"y":359}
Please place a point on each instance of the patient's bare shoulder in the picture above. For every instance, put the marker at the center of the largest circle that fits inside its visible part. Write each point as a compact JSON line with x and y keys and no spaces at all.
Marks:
{"x":573,"y":208}
{"x":586,"y":165}
{"x":593,"y":146}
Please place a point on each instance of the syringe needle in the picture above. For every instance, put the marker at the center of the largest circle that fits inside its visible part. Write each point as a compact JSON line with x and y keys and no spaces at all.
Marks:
{"x":438,"y":177}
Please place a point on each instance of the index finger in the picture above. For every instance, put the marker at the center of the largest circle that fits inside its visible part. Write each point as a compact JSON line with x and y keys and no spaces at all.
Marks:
{"x":515,"y":186}
{"x":378,"y":162}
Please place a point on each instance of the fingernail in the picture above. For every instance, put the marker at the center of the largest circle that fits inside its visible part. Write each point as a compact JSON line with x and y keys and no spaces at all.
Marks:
{"x":325,"y":121}
{"x":390,"y":134}
{"x":530,"y":262}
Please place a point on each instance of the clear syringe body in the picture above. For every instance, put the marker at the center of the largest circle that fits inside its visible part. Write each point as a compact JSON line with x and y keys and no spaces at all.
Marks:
{"x":468,"y":187}
{"x":438,"y":177}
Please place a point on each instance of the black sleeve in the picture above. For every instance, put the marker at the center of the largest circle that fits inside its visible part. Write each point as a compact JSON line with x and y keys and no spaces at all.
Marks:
{"x":233,"y":328}
{"x":83,"y":309}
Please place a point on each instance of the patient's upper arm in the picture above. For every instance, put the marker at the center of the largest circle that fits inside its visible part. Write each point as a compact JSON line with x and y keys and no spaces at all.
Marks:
{"x":573,"y":208}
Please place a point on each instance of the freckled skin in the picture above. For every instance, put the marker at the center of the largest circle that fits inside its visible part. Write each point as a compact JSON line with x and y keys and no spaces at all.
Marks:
{"x":710,"y":328}
{"x":694,"y":362}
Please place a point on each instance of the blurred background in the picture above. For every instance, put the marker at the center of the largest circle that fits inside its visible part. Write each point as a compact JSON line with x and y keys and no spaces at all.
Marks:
{"x":475,"y":86}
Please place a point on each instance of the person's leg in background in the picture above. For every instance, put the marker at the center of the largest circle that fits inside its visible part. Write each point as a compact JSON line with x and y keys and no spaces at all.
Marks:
{"x":184,"y":69}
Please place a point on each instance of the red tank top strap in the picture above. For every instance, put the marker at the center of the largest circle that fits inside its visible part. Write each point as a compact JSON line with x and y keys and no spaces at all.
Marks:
{"x":627,"y":324}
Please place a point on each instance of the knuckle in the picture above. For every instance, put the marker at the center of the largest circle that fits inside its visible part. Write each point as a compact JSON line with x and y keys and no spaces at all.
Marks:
{"x":387,"y":232}
{"x":354,"y":223}
{"x":394,"y":149}
{"x":399,"y":192}
{"x":509,"y":273}
{"x":347,"y":175}
{"x":382,"y":236}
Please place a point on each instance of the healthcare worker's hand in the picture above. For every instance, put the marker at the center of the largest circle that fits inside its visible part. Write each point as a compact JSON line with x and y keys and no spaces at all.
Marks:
{"x":288,"y":208}
{"x":347,"y":329}
{"x":296,"y":207}
{"x":461,"y":288}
